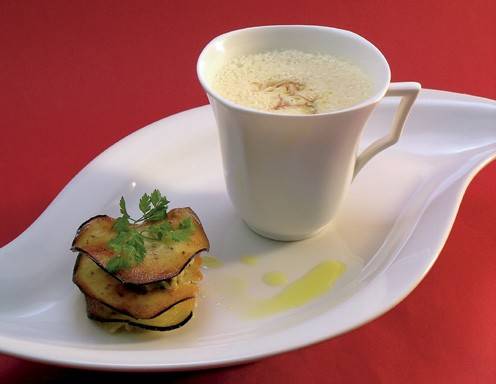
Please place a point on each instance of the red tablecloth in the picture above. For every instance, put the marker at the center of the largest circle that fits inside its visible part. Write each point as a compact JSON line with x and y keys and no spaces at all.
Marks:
{"x":76,"y":76}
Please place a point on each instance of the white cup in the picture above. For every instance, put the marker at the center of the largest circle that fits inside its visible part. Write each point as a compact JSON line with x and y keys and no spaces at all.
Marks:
{"x":287,"y":174}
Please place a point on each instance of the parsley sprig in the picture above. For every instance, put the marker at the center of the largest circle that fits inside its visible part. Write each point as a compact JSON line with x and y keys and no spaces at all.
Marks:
{"x":129,"y":242}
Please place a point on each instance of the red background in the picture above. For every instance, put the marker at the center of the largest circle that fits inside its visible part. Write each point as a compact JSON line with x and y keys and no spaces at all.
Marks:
{"x":76,"y":76}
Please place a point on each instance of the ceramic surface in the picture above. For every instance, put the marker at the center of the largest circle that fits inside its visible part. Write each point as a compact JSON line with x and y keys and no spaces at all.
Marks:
{"x":389,"y":231}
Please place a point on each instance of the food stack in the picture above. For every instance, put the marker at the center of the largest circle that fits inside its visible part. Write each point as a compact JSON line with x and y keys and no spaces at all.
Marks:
{"x":158,"y":293}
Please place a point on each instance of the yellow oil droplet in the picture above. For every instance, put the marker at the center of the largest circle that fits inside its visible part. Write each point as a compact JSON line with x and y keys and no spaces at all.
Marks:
{"x":275,"y":279}
{"x":209,"y":261}
{"x":313,"y":284}
{"x":249,"y":260}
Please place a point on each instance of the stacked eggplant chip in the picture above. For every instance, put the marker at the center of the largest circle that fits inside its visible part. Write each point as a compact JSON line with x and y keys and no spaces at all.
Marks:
{"x":159,"y":293}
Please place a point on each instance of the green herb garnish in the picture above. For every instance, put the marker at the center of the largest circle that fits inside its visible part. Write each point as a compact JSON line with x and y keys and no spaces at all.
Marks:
{"x":129,"y":242}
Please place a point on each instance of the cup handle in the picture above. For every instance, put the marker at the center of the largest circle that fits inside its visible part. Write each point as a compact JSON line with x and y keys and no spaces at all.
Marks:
{"x":408,"y":92}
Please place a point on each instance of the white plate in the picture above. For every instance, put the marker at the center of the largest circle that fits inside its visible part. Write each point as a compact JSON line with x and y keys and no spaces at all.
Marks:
{"x":389,"y":233}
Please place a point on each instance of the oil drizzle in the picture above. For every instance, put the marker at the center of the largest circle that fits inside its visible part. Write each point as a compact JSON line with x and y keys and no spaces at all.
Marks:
{"x":210,"y":261}
{"x":249,"y":260}
{"x":275,"y":279}
{"x":313,"y":284}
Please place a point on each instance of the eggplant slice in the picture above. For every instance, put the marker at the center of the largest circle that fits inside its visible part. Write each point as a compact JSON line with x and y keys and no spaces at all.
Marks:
{"x":139,"y":302}
{"x":163,"y":260}
{"x":175,"y":317}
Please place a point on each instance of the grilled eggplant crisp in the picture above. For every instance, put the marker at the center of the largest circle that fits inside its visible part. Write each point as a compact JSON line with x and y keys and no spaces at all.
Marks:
{"x":141,"y":273}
